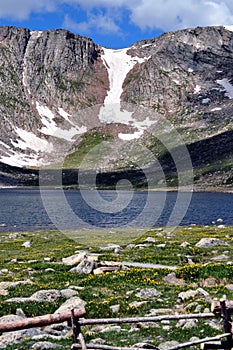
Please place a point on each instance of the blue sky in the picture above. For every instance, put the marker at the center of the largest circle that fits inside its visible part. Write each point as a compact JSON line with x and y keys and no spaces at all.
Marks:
{"x":116,"y":23}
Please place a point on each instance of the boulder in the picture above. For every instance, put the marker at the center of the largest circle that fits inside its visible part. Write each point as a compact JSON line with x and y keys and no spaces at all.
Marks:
{"x":198,"y":293}
{"x":45,"y":295}
{"x":85,"y":267}
{"x":75,"y":259}
{"x":222,"y":257}
{"x":137,"y":303}
{"x":148,"y":293}
{"x":168,"y":344}
{"x":44,"y":345}
{"x":172,"y":279}
{"x":115,"y":308}
{"x":72,"y":303}
{"x":210,"y":242}
{"x":12,"y":338}
{"x":27,"y":244}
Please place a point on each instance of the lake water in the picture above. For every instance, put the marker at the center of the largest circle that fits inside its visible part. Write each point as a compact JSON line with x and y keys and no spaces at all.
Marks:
{"x":30,"y":209}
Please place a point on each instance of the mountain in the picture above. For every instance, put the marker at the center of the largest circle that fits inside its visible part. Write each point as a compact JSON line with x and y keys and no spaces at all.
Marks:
{"x":68,"y":103}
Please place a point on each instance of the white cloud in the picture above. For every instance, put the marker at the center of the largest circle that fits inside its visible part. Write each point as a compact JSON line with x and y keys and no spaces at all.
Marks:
{"x":172,"y":15}
{"x":104,"y":15}
{"x":21,"y":10}
{"x":162,"y":14}
{"x":101,"y":23}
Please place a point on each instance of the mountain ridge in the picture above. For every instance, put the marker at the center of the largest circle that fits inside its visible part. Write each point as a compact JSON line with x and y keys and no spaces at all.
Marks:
{"x":57,"y":87}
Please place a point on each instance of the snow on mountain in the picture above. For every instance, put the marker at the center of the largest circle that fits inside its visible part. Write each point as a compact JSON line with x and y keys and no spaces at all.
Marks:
{"x":227,"y":86}
{"x":119,"y":63}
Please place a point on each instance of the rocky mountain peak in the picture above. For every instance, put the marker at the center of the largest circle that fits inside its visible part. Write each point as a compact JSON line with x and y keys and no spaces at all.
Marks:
{"x":56,"y":87}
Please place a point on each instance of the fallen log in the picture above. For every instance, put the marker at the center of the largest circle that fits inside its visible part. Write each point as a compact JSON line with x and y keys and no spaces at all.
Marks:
{"x":40,"y":321}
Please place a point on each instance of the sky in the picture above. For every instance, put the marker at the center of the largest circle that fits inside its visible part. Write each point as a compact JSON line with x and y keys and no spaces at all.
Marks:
{"x":116,"y":23}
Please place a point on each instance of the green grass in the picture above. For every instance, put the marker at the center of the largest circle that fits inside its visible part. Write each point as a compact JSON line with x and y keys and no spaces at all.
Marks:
{"x":102,"y":291}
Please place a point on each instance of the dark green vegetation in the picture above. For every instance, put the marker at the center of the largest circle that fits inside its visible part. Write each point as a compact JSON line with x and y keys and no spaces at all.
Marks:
{"x":120,"y":287}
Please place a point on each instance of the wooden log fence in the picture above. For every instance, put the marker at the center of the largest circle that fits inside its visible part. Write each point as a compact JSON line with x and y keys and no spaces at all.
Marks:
{"x":221,"y":308}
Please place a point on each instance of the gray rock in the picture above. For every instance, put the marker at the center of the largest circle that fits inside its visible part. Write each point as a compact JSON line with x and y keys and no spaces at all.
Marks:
{"x":214,"y":324}
{"x":222,"y":257}
{"x":150,"y":240}
{"x":50,"y":295}
{"x":85,"y":267}
{"x":13,"y":338}
{"x":198,"y":293}
{"x":104,"y":269}
{"x":148,"y":293}
{"x":187,"y":324}
{"x":11,"y":318}
{"x":130,"y":246}
{"x":185,"y":244}
{"x":168,"y":344}
{"x":68,"y":293}
{"x":161,"y":311}
{"x":97,"y":341}
{"x":72,"y":303}
{"x":44,"y":345}
{"x":210,"y":242}
{"x":110,"y":247}
{"x":229,"y":287}
{"x":172,"y":279}
{"x":137,"y":303}
{"x":115,"y":308}
{"x":75,"y":259}
{"x":111,"y":328}
{"x":209,"y":282}
{"x":27,"y":244}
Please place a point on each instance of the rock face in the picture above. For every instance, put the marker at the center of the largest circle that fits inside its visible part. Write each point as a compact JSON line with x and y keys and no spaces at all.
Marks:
{"x":54,"y":85}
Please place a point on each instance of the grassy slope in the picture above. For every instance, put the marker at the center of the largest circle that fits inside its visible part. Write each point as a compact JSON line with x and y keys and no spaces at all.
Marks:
{"x":100,"y":292}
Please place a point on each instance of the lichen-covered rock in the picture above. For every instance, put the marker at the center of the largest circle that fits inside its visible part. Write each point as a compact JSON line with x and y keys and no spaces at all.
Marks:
{"x":44,"y":345}
{"x":70,"y":304}
{"x":210,"y":242}
{"x":148,"y":293}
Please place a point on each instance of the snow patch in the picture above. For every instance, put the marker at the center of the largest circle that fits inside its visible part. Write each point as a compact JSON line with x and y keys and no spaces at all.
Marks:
{"x":146,"y":45}
{"x":35,"y":34}
{"x":64,"y":114}
{"x":230,"y":28}
{"x":197,"y":89}
{"x":216,"y":109}
{"x":227,"y":86}
{"x":118,"y":64}
{"x":20,"y":160}
{"x":50,"y":127}
{"x":4,"y":145}
{"x":128,"y":137}
{"x":29,"y":140}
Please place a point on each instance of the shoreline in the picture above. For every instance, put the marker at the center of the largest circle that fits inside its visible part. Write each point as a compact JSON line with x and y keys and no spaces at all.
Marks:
{"x":184,"y":189}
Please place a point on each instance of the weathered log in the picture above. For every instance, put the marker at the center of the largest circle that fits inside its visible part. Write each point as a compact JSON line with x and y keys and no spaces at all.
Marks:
{"x":199,"y":341}
{"x":85,"y":322}
{"x":179,"y":346}
{"x":225,"y":313}
{"x":40,"y":321}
